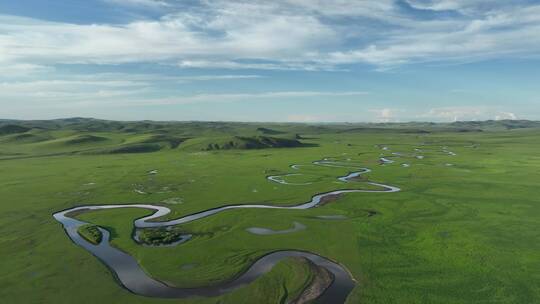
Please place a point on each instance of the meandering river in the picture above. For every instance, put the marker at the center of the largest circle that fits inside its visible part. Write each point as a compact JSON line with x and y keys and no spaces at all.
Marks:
{"x":132,"y":277}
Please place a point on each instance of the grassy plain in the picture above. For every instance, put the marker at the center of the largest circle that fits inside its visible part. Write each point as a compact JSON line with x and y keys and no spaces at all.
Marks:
{"x":90,"y":233}
{"x":464,"y":229}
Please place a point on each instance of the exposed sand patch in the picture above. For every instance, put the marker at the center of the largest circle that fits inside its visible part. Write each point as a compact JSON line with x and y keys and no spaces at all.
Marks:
{"x":139,"y":191}
{"x":321,"y":281}
{"x":173,"y":201}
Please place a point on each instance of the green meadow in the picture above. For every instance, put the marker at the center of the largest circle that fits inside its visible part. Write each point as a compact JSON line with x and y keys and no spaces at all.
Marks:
{"x":464,"y":229}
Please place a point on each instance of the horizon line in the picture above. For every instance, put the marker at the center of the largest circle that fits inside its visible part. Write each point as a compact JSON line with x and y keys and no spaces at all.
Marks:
{"x":273,"y":122}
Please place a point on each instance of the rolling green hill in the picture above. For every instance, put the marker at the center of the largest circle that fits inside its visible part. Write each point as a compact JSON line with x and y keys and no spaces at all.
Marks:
{"x":248,"y":142}
{"x":12,"y":129}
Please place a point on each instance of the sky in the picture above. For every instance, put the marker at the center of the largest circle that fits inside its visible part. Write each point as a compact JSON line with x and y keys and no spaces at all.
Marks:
{"x":281,"y":60}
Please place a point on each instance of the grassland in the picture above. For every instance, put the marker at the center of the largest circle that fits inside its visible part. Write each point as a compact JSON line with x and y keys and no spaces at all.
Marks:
{"x":159,"y":236}
{"x":464,"y":229}
{"x":90,"y":233}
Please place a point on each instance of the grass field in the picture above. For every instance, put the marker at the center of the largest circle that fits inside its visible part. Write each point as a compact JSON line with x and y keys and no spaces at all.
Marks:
{"x":464,"y":229}
{"x":90,"y":233}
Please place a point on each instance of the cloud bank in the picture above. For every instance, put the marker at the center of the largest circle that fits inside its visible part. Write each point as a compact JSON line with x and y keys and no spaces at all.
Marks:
{"x":231,"y":51}
{"x":293,"y":34}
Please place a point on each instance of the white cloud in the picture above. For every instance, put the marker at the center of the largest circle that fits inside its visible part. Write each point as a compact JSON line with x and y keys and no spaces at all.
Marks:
{"x":62,"y":83}
{"x":106,"y":90}
{"x":23,"y":69}
{"x":505,"y":115}
{"x":385,"y":114}
{"x":236,"y":65}
{"x":466,"y":7}
{"x":357,"y":8}
{"x":259,"y":33}
{"x":442,"y":5}
{"x":512,"y":33}
{"x":143,"y":3}
{"x":466,"y":113}
{"x":47,"y":92}
{"x":187,"y":79}
{"x":289,"y":34}
{"x":235,"y":97}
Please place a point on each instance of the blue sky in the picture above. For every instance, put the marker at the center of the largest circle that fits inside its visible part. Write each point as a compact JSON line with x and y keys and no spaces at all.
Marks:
{"x":289,"y":60}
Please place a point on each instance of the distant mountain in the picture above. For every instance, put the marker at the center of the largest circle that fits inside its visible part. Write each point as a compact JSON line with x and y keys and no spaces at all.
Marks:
{"x":497,"y":124}
{"x":197,"y":128}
